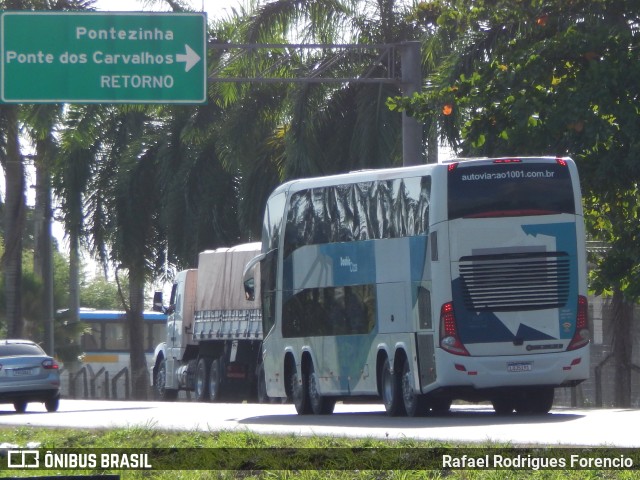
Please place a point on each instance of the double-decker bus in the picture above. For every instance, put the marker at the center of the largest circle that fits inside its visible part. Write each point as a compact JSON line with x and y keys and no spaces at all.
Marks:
{"x":422,"y":285}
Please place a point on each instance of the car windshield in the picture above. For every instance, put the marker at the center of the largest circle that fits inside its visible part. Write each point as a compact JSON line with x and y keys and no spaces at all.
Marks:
{"x":14,"y":349}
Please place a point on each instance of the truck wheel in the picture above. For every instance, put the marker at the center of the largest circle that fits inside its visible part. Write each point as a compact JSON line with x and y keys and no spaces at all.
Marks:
{"x":391,"y":390}
{"x":215,"y":380}
{"x":20,"y":406}
{"x":201,"y":390}
{"x":320,"y":405}
{"x":300,"y":392}
{"x":160,"y":385}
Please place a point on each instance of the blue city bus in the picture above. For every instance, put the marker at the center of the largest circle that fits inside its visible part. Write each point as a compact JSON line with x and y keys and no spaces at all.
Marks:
{"x":105,"y":339}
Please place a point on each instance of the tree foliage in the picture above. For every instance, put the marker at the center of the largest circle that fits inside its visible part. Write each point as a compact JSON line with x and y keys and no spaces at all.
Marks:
{"x":554,"y":78}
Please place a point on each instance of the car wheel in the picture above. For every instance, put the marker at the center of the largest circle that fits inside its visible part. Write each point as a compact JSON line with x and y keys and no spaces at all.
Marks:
{"x":52,"y":404}
{"x":20,"y":406}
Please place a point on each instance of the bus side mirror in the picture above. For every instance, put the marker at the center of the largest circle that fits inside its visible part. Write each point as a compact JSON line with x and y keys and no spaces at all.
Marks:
{"x":248,"y":277}
{"x":249,"y":289}
{"x":157,"y":302}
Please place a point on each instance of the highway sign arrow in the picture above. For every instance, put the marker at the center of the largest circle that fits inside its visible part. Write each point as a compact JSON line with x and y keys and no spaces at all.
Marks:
{"x":190,"y":58}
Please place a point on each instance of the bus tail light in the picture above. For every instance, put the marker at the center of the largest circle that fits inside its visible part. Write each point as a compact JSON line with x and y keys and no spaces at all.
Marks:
{"x":449,"y":339}
{"x":581,"y":335}
{"x":507,"y":160}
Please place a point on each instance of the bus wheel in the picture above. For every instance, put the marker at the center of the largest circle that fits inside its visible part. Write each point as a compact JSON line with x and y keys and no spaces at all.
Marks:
{"x":300,"y":392}
{"x":160,"y":385}
{"x":261,"y":387}
{"x":503,"y":406}
{"x":414,"y":403}
{"x":215,"y":380}
{"x":201,"y":381}
{"x":440,"y":406}
{"x":536,"y":401}
{"x":320,"y":405}
{"x":391,"y":390}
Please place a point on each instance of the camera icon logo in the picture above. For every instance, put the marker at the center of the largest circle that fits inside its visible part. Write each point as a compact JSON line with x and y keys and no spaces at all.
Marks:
{"x":23,"y":459}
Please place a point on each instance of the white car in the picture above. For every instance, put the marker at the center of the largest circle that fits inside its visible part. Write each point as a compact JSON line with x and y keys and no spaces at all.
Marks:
{"x":28,"y":374}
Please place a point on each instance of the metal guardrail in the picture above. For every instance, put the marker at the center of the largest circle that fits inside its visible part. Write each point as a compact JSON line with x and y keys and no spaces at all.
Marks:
{"x":91,"y":380}
{"x":114,"y":383}
{"x":598,"y":378}
{"x":73,"y":377}
{"x":94,"y":378}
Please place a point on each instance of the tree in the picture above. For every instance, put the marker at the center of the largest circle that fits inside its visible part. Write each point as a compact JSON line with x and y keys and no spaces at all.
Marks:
{"x":280,"y":131}
{"x":14,"y":217}
{"x":114,"y":187}
{"x":100,"y":294}
{"x":557,"y":78}
{"x":12,"y":162}
{"x":41,"y":122}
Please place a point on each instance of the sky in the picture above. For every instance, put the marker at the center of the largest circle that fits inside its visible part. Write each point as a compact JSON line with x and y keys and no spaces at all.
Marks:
{"x":214,"y":8}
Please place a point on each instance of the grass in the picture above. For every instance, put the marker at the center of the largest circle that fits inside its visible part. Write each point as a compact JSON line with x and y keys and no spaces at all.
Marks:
{"x":187,"y":455}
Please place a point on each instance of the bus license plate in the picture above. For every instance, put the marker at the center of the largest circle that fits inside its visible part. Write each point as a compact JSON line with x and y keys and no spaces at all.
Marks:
{"x":520,"y":366}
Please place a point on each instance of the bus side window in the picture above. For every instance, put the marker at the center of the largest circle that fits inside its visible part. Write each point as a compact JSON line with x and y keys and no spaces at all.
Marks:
{"x":89,"y":340}
{"x":116,"y":337}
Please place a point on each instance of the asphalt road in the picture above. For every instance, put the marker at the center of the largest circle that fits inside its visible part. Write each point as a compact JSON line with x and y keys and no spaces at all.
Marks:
{"x":603,"y":427}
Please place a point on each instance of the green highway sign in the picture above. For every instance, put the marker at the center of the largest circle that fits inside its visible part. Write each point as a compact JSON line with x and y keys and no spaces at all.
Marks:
{"x":95,"y":57}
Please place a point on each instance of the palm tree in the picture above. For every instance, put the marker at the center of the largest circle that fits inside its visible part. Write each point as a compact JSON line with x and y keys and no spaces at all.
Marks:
{"x":12,"y":162}
{"x":122,"y":213}
{"x":72,"y":172}
{"x":289,"y":130}
{"x":198,"y":192}
{"x":14,"y":217}
{"x":41,"y":123}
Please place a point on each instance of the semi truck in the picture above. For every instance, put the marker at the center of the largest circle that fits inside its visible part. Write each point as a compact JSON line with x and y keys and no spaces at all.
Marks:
{"x":213,"y":332}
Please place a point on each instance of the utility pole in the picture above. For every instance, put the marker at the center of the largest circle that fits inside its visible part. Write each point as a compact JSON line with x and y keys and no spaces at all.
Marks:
{"x":43,"y":256}
{"x":411,"y":83}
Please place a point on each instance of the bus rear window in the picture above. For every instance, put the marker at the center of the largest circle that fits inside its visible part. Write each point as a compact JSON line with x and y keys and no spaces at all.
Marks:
{"x":509,"y":190}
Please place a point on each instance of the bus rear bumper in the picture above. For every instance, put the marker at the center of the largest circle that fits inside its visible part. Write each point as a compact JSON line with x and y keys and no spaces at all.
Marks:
{"x":556,"y":369}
